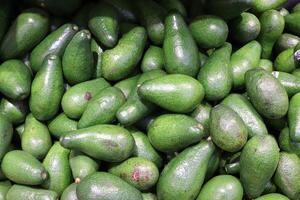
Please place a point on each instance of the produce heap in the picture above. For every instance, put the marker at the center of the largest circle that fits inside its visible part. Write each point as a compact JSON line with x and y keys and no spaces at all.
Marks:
{"x":149,"y":99}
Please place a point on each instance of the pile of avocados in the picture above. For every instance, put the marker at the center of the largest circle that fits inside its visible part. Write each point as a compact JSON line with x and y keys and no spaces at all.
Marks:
{"x":149,"y":100}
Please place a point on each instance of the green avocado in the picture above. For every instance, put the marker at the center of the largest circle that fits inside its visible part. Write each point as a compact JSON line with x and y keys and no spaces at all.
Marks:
{"x":209,"y":31}
{"x":127,"y":85}
{"x":180,"y":49}
{"x":215,"y":75}
{"x":153,"y":59}
{"x":99,"y":185}
{"x":47,"y":89}
{"x":183,"y":176}
{"x":36,"y":138}
{"x":222,"y":187}
{"x":290,"y":82}
{"x":109,"y":143}
{"x":266,"y":93}
{"x":61,"y":125}
{"x":285,"y":61}
{"x":22,"y":168}
{"x":227,"y":129}
{"x":184,"y":131}
{"x":287,"y":175}
{"x":138,"y":172}
{"x":258,"y":163}
{"x":175,"y":92}
{"x":28,"y":29}
{"x":293,"y":118}
{"x":15,"y":79}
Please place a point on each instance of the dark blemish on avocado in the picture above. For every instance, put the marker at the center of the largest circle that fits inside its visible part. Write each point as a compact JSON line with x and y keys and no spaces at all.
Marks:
{"x":87,"y":96}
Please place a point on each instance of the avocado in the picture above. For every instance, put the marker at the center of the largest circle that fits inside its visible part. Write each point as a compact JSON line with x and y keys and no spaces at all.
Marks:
{"x":138,"y":172}
{"x":266,"y":93}
{"x":258,"y":163}
{"x":183,"y":176}
{"x":109,"y":143}
{"x":127,"y":85}
{"x":118,"y":62}
{"x":293,"y":118}
{"x":215,"y":75}
{"x":36,"y":138}
{"x":57,"y":165}
{"x":61,"y":125}
{"x":77,"y":60}
{"x":15,"y":79}
{"x":175,"y":92}
{"x":285,"y":61}
{"x":27,"y":30}
{"x":153,"y":59}
{"x":47,"y":89}
{"x":55,"y":43}
{"x":222,"y":187}
{"x":209,"y":31}
{"x":99,"y":184}
{"x":227,"y":129}
{"x":184,"y":131}
{"x":180,"y":49}
{"x":22,"y":168}
{"x":266,"y":65}
{"x":287,"y":175}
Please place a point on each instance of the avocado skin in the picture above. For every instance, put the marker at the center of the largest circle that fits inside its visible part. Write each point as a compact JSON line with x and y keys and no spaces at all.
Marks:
{"x":20,"y":192}
{"x":286,"y":41}
{"x":55,"y":43}
{"x":175,"y":92}
{"x":144,"y":149}
{"x":28,"y":29}
{"x":260,"y":154}
{"x":82,"y":166}
{"x":286,"y":144}
{"x":285,"y":61}
{"x":102,"y":108}
{"x":227,"y":9}
{"x":118,"y":63}
{"x":293,"y":118}
{"x":138,"y":172}
{"x":242,"y":60}
{"x":252,"y":120}
{"x":202,"y":115}
{"x":77,"y":60}
{"x":266,"y":93}
{"x":104,"y":183}
{"x":272,"y":196}
{"x":290,"y":82}
{"x":272,"y":25}
{"x":75,"y":100}
{"x":14,"y":111}
{"x":61,"y":124}
{"x":287,"y":175}
{"x":209,"y":31}
{"x":70,"y":193}
{"x":292,"y":23}
{"x":109,"y":143}
{"x":6,"y":133}
{"x":127,"y":85}
{"x":57,"y":165}
{"x":222,"y":187}
{"x":180,"y":49}
{"x":266,"y":65}
{"x":36,"y":138}
{"x":227,"y":129}
{"x":244,"y":28}
{"x":4,"y":187}
{"x":151,"y":15}
{"x":259,"y":6}
{"x":47,"y":89}
{"x":22,"y":168}
{"x":182,"y":177}
{"x":15,"y":79}
{"x":215,"y":76}
{"x":184,"y":131}
{"x":149,"y":196}
{"x":104,"y":23}
{"x":135,"y":108}
{"x":153,"y":59}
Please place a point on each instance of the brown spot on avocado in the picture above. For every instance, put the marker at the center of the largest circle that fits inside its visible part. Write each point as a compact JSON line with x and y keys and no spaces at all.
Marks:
{"x":87,"y":96}
{"x":136,"y":175}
